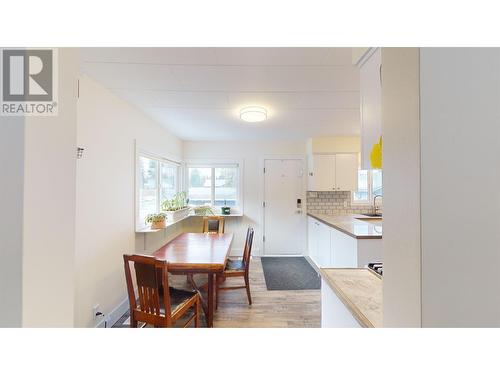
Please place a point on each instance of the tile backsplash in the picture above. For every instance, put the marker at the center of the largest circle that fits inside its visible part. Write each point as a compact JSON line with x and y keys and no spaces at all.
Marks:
{"x":333,"y":203}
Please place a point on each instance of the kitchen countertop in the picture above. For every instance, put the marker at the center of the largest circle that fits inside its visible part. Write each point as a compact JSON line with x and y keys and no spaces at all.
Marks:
{"x":351,"y":225}
{"x":360,"y":290}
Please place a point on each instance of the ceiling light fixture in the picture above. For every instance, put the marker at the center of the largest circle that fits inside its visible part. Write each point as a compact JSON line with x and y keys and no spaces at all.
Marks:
{"x":253,"y":114}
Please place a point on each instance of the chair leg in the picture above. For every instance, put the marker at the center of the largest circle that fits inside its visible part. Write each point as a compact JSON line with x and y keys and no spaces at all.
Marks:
{"x":197,"y":311}
{"x":247,"y":285}
{"x":190,"y":280}
{"x":217,"y":284}
{"x":133,"y":322}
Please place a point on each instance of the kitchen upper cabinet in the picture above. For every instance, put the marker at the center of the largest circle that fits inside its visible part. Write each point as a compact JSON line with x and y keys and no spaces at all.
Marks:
{"x":346,"y":172}
{"x":322,"y":173}
{"x":370,"y":82}
{"x":335,"y":172}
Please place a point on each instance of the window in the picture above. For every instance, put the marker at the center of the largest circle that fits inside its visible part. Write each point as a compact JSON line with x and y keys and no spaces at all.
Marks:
{"x":157,"y":180}
{"x":362,"y":193}
{"x":200,"y":185}
{"x":216,"y":185}
{"x":226,"y":186}
{"x":168,"y":180}
{"x":369,"y":185}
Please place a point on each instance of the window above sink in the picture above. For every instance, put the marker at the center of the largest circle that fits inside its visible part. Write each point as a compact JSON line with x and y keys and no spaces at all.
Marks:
{"x":369,"y":185}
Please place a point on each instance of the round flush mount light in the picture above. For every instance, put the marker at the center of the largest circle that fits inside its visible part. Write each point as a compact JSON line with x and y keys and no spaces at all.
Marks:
{"x":253,"y":114}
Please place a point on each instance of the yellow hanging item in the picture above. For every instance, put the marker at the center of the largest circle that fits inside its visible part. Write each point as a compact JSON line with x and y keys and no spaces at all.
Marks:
{"x":376,"y":155}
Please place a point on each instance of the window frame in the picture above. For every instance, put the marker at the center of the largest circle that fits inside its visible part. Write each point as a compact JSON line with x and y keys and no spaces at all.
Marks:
{"x":139,"y":224}
{"x":214,"y":163}
{"x":369,"y":201}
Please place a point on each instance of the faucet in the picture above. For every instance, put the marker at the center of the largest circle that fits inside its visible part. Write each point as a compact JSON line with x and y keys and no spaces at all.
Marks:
{"x":374,"y":205}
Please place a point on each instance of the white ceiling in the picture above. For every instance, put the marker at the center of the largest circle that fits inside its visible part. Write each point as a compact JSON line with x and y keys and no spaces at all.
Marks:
{"x":196,"y":93}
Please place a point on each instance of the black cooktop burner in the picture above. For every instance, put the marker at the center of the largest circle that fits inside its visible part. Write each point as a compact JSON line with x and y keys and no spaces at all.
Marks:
{"x":377,"y":267}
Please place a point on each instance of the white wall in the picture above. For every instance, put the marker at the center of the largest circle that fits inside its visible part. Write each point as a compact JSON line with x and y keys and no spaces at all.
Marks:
{"x":460,"y":127}
{"x":49,"y":207}
{"x":401,"y":154}
{"x":252,"y":153}
{"x":105,"y":225}
{"x":333,"y":144}
{"x":11,"y":220}
{"x":441,"y":175}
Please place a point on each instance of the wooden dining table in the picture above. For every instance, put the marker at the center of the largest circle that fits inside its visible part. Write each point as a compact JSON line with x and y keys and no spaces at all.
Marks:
{"x":194,"y":253}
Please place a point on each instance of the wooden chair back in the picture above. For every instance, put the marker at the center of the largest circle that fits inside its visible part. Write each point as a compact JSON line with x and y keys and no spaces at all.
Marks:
{"x":153,"y":291}
{"x":213,"y":224}
{"x":248,"y":248}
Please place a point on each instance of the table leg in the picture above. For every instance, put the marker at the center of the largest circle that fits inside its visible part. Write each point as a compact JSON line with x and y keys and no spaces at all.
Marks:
{"x":210,"y":317}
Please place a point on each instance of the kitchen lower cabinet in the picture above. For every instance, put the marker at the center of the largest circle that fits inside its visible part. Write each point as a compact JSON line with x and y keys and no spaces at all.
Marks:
{"x":312,"y":238}
{"x":318,"y":238}
{"x":324,"y":246}
{"x":329,"y":247}
{"x":334,"y":313}
{"x":343,"y":250}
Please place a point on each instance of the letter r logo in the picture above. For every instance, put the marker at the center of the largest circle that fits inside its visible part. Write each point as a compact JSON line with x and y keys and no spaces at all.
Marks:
{"x":27,"y":75}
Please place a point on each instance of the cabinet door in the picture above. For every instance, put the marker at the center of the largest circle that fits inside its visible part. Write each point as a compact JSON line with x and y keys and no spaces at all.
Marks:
{"x":334,"y":313}
{"x":344,"y":250}
{"x":324,"y":249}
{"x":323,"y":178}
{"x":371,"y":106}
{"x":346,"y":172}
{"x":312,"y":239}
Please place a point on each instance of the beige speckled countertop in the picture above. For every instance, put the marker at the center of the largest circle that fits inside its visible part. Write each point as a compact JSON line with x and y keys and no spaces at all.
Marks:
{"x":351,"y":225}
{"x":360,"y":290}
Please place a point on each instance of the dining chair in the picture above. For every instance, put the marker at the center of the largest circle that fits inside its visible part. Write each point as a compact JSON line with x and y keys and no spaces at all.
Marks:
{"x":157,"y":303}
{"x":213,"y":224}
{"x":237,"y":268}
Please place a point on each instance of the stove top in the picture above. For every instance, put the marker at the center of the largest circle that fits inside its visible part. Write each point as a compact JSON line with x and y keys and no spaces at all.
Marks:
{"x":377,"y":267}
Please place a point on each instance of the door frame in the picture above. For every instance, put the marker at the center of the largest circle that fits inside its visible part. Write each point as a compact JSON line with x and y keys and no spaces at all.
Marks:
{"x":303,"y":159}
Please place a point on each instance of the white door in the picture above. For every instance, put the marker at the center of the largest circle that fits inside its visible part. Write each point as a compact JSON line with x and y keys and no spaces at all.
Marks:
{"x":346,"y":172}
{"x":284,"y":218}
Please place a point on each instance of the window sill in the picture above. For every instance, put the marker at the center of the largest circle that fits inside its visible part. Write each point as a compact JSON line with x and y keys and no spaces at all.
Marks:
{"x":236,"y":214}
{"x":170,"y":223}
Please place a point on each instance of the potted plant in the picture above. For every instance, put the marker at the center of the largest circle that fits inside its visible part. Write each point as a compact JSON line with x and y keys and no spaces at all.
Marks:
{"x":225,"y":210}
{"x":157,"y":221}
{"x":203,"y":211}
{"x":177,"y":207}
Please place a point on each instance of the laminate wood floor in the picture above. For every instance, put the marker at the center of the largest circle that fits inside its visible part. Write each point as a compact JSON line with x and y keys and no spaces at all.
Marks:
{"x":283,"y":308}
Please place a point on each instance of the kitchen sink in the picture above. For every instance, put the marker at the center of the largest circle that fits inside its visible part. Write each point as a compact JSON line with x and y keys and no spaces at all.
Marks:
{"x":373,"y":215}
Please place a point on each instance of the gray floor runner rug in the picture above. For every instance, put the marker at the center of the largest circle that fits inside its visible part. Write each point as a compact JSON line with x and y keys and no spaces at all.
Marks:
{"x":289,"y":273}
